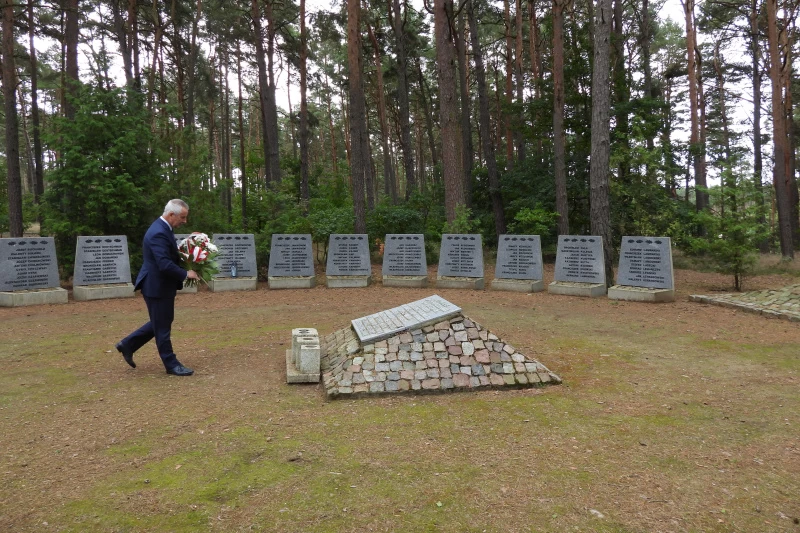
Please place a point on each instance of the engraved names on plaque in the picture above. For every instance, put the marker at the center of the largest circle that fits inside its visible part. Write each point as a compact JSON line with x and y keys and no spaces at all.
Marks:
{"x":580,"y":259}
{"x":236,"y":250}
{"x":28,"y":263}
{"x":404,"y":255}
{"x":519,"y":257}
{"x":646,"y":262}
{"x":101,"y":260}
{"x":290,"y":255}
{"x":412,"y":315}
{"x":461,"y":255}
{"x":348,"y":255}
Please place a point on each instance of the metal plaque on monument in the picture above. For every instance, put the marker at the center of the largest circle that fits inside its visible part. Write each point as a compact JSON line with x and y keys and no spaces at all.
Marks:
{"x":404,"y":261}
{"x":102,"y":268}
{"x":519,"y":264}
{"x":645,"y":270}
{"x":29,"y":272}
{"x":348,"y":261}
{"x":580,"y":266}
{"x":460,"y":261}
{"x":236,"y":261}
{"x":291,"y":261}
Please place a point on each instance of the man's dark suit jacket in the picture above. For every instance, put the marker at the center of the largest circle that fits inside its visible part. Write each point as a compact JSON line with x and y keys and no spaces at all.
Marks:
{"x":161,"y":275}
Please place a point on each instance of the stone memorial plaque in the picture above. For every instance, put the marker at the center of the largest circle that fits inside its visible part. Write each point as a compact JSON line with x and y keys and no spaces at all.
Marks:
{"x":179,"y":237}
{"x":461,"y":256}
{"x":28,"y":263}
{"x":580,"y":258}
{"x":101,"y":260}
{"x":291,"y":255}
{"x":408,"y":316}
{"x":236,"y":249}
{"x":519,"y":257}
{"x":404,"y":255}
{"x":646,"y":262}
{"x":348,"y":255}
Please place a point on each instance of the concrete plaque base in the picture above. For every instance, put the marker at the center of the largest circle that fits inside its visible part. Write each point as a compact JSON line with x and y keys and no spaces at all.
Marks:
{"x":452,"y":282}
{"x":83,"y":293}
{"x":291,"y":282}
{"x":233,"y":284}
{"x":405,"y":281}
{"x":54,"y":295}
{"x":339,"y":282}
{"x":293,"y":375}
{"x":517,"y":285}
{"x":640,"y":294}
{"x":577,"y":288}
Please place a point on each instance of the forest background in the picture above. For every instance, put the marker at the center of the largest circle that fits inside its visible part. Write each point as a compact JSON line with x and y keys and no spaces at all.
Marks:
{"x":541,"y":117}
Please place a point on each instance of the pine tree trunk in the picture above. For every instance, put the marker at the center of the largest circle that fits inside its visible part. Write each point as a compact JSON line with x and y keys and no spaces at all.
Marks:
{"x":389,"y":182}
{"x":758,"y":165}
{"x":559,"y":156}
{"x":242,"y":140}
{"x":509,"y":56}
{"x":158,"y":29}
{"x":133,"y":29}
{"x":304,"y":188}
{"x":71,"y":35}
{"x":536,"y":68}
{"x":255,"y":15}
{"x":38,"y":165}
{"x":273,"y":158}
{"x":358,"y":122}
{"x":428,"y":114}
{"x":486,"y":139}
{"x":520,"y":137}
{"x":191,"y":67}
{"x":466,"y":127}
{"x":328,"y":92}
{"x":122,"y":40}
{"x":398,"y":26}
{"x":695,"y":142}
{"x":600,"y":211}
{"x":13,"y":171}
{"x":449,"y":112}
{"x":780,"y":178}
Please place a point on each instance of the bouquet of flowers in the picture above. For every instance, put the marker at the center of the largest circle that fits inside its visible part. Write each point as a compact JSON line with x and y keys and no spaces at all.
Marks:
{"x":199,"y":254}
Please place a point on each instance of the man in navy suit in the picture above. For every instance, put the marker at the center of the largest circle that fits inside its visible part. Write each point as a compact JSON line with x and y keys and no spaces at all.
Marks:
{"x":159,"y":279}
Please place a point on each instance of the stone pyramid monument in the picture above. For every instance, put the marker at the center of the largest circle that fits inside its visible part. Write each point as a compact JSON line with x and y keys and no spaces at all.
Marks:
{"x":423,"y":346}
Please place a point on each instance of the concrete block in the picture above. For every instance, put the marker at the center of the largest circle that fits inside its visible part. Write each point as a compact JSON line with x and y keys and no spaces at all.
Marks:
{"x":102,"y":292}
{"x":517,"y":285}
{"x":300,"y":340}
{"x":309,"y":359}
{"x":346,"y":282}
{"x":405,"y":281}
{"x":291,"y":282}
{"x":233,"y":284}
{"x":294,"y":375}
{"x":640,"y":294}
{"x":452,"y":282}
{"x":577,"y":288}
{"x":54,"y":295}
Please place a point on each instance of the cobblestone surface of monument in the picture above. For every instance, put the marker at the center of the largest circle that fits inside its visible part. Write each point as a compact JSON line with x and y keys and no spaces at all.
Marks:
{"x":456,"y":354}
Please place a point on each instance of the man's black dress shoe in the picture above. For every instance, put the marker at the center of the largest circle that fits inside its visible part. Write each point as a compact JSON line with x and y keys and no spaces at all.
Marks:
{"x":180,"y":370}
{"x":126,"y":354}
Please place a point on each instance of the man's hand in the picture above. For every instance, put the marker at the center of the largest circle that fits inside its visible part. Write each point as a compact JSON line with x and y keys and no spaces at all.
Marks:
{"x":191,"y":274}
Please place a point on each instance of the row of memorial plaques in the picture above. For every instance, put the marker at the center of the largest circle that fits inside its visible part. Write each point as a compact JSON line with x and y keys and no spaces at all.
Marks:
{"x":643,"y":261}
{"x":30,"y":263}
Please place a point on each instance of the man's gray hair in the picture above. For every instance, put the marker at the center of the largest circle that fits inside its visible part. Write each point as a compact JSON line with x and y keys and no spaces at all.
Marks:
{"x":175,"y":206}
